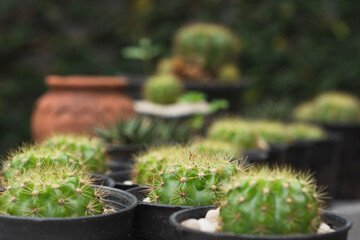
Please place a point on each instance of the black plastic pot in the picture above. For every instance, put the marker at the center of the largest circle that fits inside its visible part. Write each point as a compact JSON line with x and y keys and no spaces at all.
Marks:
{"x":276,"y":154}
{"x":102,"y":180}
{"x":230,"y":92}
{"x":112,"y":226}
{"x":298,"y":154}
{"x":350,"y":161}
{"x":341,"y":225}
{"x":120,"y":155}
{"x":151,"y":220}
{"x":255,"y":156}
{"x":120,"y":177}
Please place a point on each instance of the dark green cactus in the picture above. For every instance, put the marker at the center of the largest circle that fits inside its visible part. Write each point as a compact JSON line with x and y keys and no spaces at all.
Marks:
{"x":38,"y":157}
{"x":89,"y":149}
{"x":265,"y":201}
{"x":191,"y":178}
{"x":55,"y":192}
{"x":163,"y":89}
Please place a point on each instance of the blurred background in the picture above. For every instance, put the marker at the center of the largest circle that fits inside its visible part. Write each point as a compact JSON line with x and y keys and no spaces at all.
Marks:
{"x":290,"y":49}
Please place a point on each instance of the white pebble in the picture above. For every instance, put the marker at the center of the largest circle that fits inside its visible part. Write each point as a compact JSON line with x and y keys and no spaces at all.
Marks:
{"x":128,"y":182}
{"x":191,"y":223}
{"x":206,"y":226}
{"x":324,"y":228}
{"x":147,"y":200}
{"x":213,"y":215}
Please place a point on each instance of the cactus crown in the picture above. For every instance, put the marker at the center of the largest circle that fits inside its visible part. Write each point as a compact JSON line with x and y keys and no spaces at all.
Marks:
{"x":215,"y":147}
{"x":306,"y":131}
{"x":191,"y":178}
{"x":52,"y":192}
{"x":90,"y":149}
{"x":163,"y":89}
{"x":271,"y":201}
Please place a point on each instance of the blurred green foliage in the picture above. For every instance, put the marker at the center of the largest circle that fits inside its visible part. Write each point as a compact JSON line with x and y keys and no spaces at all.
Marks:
{"x":290,"y":48}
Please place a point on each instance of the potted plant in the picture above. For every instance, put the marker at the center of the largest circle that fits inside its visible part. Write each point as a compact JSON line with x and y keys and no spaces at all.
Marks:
{"x":339,"y":113}
{"x":49,"y":194}
{"x":264,"y":204}
{"x":186,"y":179}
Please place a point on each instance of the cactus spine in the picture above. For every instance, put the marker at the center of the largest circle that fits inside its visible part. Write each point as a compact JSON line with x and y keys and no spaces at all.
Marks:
{"x":265,"y":201}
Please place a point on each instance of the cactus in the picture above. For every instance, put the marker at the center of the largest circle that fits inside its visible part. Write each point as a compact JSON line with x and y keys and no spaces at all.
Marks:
{"x":229,"y":73}
{"x":273,"y":132}
{"x":37,"y":157}
{"x":336,"y":107}
{"x":164,"y":66}
{"x":306,"y":131}
{"x":208,"y":46}
{"x":191,"y":178}
{"x":147,"y":164}
{"x":216,"y":147}
{"x":89,"y":149}
{"x":54,"y":192}
{"x":271,"y":201}
{"x":163,"y":89}
{"x":236,"y":131}
{"x":304,"y":111}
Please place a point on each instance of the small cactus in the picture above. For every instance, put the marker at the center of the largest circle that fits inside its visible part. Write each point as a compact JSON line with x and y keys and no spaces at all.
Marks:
{"x":304,"y":111}
{"x":302,"y":131}
{"x":229,"y":73}
{"x":208,"y":46}
{"x":55,"y":192}
{"x":191,"y":178}
{"x":163,"y":89}
{"x":273,"y":132}
{"x":89,"y":149}
{"x":270,"y":201}
{"x":216,"y":147}
{"x":37,"y":157}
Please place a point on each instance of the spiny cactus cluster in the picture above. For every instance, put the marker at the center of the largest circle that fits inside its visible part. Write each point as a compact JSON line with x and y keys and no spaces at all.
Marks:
{"x":331,"y":107}
{"x":203,"y":51}
{"x":163,"y":89}
{"x":270,"y":201}
{"x":55,"y":192}
{"x":216,"y":147}
{"x":89,"y":149}
{"x":259,"y":134}
{"x":191,"y":178}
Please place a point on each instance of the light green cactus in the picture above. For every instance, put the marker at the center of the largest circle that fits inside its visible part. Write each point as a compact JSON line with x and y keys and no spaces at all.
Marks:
{"x":229,"y":73}
{"x":216,"y":147}
{"x":303,"y":131}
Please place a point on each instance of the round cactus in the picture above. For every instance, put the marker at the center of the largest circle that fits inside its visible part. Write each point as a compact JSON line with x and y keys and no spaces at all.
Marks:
{"x":37,"y":157}
{"x":149,"y":162}
{"x":57,"y":192}
{"x":302,"y":131}
{"x":206,"y":45}
{"x":89,"y":149}
{"x":336,"y":107}
{"x":229,"y":73}
{"x":273,"y":132}
{"x":163,"y":89}
{"x":266,"y":202}
{"x":304,"y":111}
{"x":191,"y":178}
{"x":236,"y":131}
{"x":216,"y":147}
{"x":164,"y":66}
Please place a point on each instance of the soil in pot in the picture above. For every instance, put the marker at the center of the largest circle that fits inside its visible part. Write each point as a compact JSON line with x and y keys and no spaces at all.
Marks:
{"x":340,"y":224}
{"x":151,"y":220}
{"x":109,"y":226}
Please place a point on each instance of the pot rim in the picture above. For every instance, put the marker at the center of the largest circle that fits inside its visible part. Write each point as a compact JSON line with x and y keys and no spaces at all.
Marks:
{"x":177,"y":225}
{"x":83,"y":81}
{"x":134,"y":203}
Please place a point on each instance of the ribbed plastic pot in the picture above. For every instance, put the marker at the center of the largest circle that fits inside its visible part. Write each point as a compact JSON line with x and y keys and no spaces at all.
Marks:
{"x":298,"y":154}
{"x":119,"y":177}
{"x":112,"y":226}
{"x":340,"y":224}
{"x":102,"y":180}
{"x":151,"y":220}
{"x":255,"y":156}
{"x":120,"y":155}
{"x":276,"y":154}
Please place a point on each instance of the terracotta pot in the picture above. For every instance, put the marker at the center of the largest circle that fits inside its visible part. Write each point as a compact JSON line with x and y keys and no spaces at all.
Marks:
{"x":75,"y":104}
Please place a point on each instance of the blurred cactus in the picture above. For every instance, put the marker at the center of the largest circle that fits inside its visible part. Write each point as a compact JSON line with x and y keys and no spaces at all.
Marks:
{"x":164,"y":66}
{"x":216,"y":147}
{"x":273,"y":132}
{"x":229,"y":73}
{"x":302,"y":131}
{"x":163,"y":89}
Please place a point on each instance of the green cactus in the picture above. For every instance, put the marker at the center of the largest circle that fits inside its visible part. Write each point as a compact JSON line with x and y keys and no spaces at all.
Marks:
{"x":55,"y":192}
{"x":148,"y":163}
{"x":304,"y":111}
{"x":229,"y":73}
{"x":273,"y":132}
{"x":264,"y":201}
{"x":38,"y":157}
{"x":191,"y":178}
{"x":336,"y":107}
{"x":236,"y":131}
{"x":163,"y":89}
{"x":216,"y":147}
{"x":306,"y":131}
{"x":90,"y":150}
{"x":164,"y":66}
{"x":206,"y":45}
